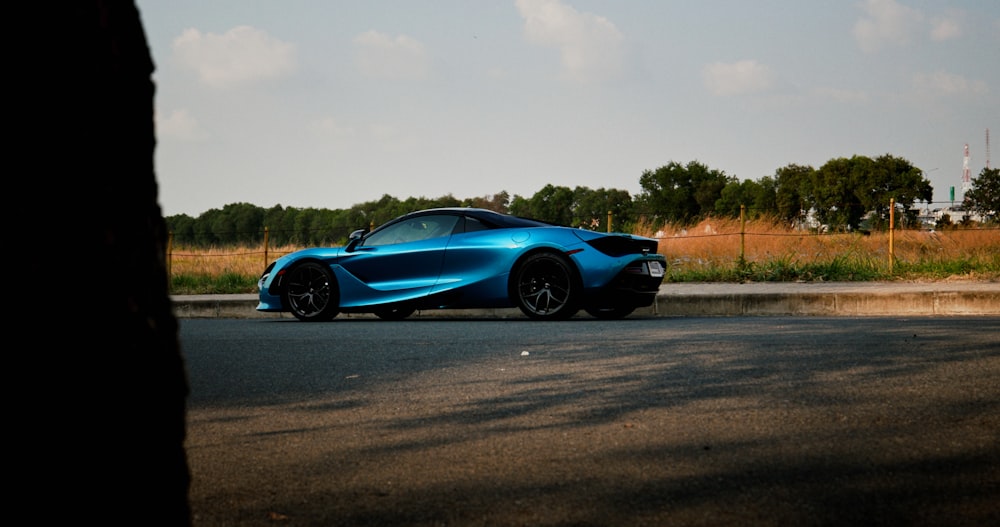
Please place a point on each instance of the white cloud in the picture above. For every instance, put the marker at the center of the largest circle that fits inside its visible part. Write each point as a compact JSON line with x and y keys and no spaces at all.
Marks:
{"x":180,"y":124}
{"x":945,"y":28}
{"x":736,"y":78}
{"x":241,"y":55}
{"x":887,"y":22}
{"x":380,"y":56}
{"x":941,"y":84}
{"x":590,"y":46}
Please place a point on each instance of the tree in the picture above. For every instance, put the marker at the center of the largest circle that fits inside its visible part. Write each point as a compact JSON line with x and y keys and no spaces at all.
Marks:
{"x":679,"y":193}
{"x":841,"y":194}
{"x":790,"y":184}
{"x":893,"y":178}
{"x":247,"y":222}
{"x":279,"y":222}
{"x":553,"y":204}
{"x":765,"y":198}
{"x":498,"y":202}
{"x":832,"y":191}
{"x":843,"y":191}
{"x":108,"y":433}
{"x":208,"y":223}
{"x":223,"y":228}
{"x":303,"y":227}
{"x":181,"y":226}
{"x":984,"y":196}
{"x":591,"y":208}
{"x":757,"y":198}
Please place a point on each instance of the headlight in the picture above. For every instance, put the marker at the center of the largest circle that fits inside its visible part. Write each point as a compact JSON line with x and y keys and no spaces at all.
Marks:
{"x":264,"y":276}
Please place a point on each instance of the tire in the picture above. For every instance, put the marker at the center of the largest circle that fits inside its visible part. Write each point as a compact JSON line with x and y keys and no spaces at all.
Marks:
{"x":311,"y":292}
{"x":394,"y":313}
{"x":545,"y":287}
{"x":610,"y":313}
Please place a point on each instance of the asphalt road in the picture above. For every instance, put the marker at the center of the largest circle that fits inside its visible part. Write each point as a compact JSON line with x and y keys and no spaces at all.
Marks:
{"x":823,"y":421}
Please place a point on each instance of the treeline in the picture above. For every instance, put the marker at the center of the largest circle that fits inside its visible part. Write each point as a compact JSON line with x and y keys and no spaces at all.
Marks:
{"x":841,"y":195}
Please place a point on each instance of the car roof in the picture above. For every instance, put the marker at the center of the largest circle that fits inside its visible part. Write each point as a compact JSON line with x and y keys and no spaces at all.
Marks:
{"x":485,"y":215}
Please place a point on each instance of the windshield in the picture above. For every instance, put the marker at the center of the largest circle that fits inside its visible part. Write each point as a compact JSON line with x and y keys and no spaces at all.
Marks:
{"x":413,"y":229}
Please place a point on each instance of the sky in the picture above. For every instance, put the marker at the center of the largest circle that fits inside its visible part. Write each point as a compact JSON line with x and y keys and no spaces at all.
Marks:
{"x":330,"y":104}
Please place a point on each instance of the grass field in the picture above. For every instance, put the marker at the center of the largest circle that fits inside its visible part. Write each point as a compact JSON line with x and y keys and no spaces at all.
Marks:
{"x":715,"y":251}
{"x":712,"y":251}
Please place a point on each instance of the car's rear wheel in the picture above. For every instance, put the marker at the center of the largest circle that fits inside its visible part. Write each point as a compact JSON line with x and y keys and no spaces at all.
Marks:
{"x":610,"y":313}
{"x":546,"y":287}
{"x":311,"y":292}
{"x":394,"y":313}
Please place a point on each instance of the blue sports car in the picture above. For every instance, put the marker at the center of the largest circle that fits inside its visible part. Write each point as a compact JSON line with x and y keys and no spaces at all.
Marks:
{"x":460,"y":258}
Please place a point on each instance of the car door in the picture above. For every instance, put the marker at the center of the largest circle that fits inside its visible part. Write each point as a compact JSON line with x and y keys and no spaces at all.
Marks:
{"x":399,"y":262}
{"x":472,"y":254}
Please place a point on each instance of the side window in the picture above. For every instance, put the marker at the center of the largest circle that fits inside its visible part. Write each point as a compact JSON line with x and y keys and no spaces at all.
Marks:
{"x":437,"y":226}
{"x":473,"y":225}
{"x":413,"y":230}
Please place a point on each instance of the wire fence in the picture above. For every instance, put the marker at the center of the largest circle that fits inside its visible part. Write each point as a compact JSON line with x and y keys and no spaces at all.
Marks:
{"x":710,"y":242}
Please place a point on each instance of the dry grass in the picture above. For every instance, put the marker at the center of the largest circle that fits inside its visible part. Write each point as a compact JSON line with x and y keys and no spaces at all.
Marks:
{"x":217,"y":261}
{"x":717,"y":243}
{"x":695,"y":253}
{"x":219,"y":269}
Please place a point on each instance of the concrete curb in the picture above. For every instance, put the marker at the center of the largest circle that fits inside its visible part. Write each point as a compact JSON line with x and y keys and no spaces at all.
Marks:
{"x":714,"y":299}
{"x":833,"y":304}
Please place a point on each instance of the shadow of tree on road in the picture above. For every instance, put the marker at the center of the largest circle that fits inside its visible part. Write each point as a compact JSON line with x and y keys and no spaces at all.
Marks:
{"x":675,"y":422}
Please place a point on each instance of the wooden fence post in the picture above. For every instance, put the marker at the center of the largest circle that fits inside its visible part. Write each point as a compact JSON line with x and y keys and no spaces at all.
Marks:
{"x":266,"y":233}
{"x":892,"y":232}
{"x":743,"y":231}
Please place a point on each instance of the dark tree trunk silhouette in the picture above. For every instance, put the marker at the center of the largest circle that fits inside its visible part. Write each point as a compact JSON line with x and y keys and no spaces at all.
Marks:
{"x":106,"y":445}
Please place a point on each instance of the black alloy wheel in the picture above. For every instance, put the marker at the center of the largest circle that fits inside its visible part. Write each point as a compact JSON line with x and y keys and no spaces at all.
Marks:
{"x":311,"y":293}
{"x":546,"y":287}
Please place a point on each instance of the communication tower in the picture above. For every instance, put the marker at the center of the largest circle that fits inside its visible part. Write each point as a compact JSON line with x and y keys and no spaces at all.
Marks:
{"x":965,"y":170}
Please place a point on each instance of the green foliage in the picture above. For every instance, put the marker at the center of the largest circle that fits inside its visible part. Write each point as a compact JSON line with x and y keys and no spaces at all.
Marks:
{"x":758,"y":198}
{"x":497,"y":202}
{"x":203,"y":284}
{"x":244,"y":224}
{"x":591,"y":208}
{"x":842,"y":193}
{"x":579,"y":207}
{"x":984,"y":196}
{"x":893,"y":178}
{"x":552,"y":204}
{"x":681,"y":194}
{"x":839,"y":269}
{"x":790,"y":185}
{"x":833,"y":191}
{"x":937,"y":269}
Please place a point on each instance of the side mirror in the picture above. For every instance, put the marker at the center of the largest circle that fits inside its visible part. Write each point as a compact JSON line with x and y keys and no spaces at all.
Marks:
{"x":354,"y":239}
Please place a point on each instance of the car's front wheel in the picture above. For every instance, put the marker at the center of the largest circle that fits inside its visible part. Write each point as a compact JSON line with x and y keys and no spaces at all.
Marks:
{"x":311,"y":292}
{"x":546,"y":287}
